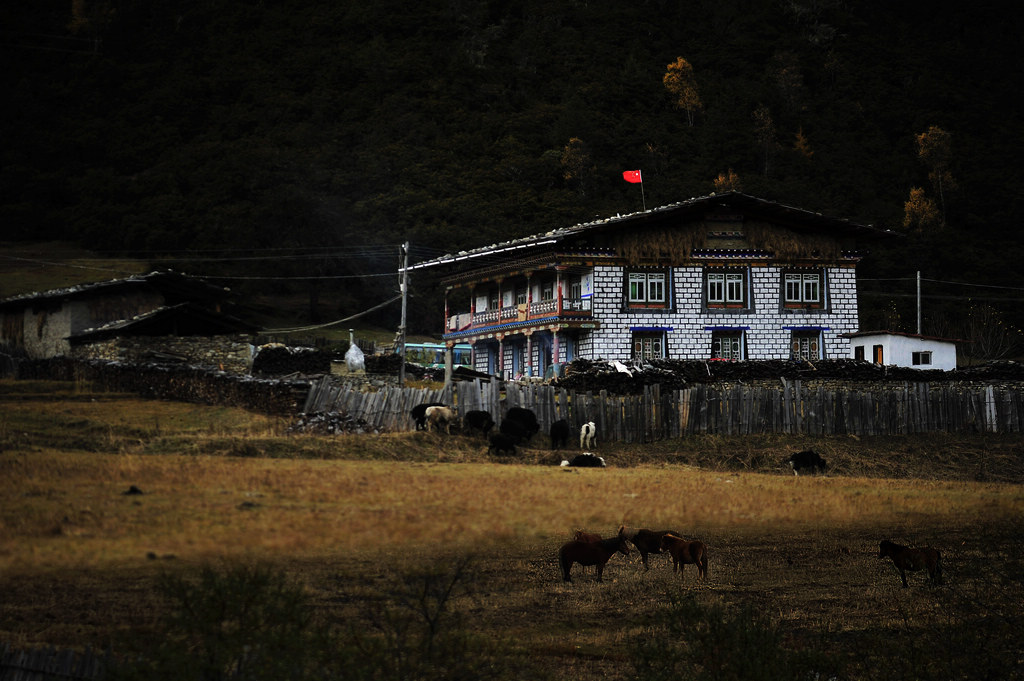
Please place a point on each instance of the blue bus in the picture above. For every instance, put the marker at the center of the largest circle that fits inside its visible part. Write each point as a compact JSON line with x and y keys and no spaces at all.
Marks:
{"x":432,"y":354}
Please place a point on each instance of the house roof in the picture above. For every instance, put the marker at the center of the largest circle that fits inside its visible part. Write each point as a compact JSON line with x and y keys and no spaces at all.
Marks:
{"x":795,"y":217}
{"x":174,"y":286}
{"x":184,"y":319}
{"x":861,"y":334}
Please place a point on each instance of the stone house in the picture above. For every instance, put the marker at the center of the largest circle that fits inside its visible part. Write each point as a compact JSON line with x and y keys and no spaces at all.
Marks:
{"x":723,"y":277}
{"x":88,"y":320}
{"x":185,"y":333}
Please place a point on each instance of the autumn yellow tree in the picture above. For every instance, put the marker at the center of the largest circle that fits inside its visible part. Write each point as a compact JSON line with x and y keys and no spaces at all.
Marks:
{"x":802,"y":146}
{"x":682,"y":85}
{"x":935,"y":149}
{"x":920,"y":212}
{"x":727,"y":182}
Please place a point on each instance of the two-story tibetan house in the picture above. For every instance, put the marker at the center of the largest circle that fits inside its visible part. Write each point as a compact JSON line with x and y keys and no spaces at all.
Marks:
{"x":729,"y":277}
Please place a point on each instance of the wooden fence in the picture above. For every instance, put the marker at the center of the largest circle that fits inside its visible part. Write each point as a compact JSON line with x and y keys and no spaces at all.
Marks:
{"x":789,"y":407}
{"x":50,"y":664}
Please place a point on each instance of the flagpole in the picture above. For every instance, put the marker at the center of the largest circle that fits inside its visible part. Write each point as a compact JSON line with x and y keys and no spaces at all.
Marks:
{"x":636,"y":177}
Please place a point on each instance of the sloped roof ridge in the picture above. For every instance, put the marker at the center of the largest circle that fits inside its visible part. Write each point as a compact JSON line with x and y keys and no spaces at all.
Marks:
{"x":95,"y":285}
{"x":560,"y":232}
{"x":131,"y":320}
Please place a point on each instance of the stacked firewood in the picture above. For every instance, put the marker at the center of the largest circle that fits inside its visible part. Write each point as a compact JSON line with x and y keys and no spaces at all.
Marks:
{"x":281,"y":360}
{"x":629,"y":378}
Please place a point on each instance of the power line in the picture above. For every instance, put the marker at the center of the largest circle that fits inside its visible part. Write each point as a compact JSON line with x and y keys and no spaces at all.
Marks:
{"x":951,"y":283}
{"x":336,"y":321}
{"x":307,"y":277}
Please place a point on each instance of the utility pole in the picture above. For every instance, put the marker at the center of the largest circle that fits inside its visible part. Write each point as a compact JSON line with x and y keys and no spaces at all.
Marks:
{"x":404,"y":284}
{"x":919,"y":302}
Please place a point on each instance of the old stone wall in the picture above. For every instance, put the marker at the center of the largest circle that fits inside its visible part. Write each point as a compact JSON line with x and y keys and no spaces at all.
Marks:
{"x":232,"y":354}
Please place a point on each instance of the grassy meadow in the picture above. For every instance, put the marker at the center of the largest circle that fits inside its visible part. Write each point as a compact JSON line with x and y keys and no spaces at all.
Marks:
{"x":371,"y":525}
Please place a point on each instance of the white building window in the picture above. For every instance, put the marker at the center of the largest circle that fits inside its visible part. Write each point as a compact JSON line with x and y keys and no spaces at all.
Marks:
{"x":647,"y":288}
{"x":805,"y":345}
{"x":923,"y":358}
{"x":727,"y":345}
{"x":648,"y":344}
{"x":802,"y":289}
{"x":726,"y":289}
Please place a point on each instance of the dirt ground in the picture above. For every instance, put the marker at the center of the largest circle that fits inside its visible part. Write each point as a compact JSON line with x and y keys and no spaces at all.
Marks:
{"x":822,"y":588}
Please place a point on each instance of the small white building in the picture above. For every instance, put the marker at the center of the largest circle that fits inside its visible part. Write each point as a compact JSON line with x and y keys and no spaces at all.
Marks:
{"x":903,"y":349}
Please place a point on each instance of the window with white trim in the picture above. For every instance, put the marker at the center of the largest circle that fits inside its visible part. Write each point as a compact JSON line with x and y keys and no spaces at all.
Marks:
{"x":726,"y":288}
{"x":802,"y":289}
{"x":647,"y":289}
{"x":727,"y":345}
{"x":805,"y":345}
{"x":648,"y":344}
{"x":922,"y":358}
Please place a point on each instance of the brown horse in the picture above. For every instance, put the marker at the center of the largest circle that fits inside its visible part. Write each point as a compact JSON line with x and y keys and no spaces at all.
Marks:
{"x":580,"y":535}
{"x":685,"y":551}
{"x":590,"y":553}
{"x":907,"y":558}
{"x":645,"y":541}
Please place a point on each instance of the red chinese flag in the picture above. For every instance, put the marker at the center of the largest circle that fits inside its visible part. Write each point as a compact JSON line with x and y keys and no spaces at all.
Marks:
{"x":632,"y":176}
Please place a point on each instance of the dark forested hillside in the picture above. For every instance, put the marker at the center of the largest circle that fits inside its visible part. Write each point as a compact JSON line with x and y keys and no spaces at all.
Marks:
{"x":198,"y":132}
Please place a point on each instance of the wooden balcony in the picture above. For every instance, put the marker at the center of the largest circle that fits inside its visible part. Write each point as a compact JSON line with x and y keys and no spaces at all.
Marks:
{"x":554,"y":310}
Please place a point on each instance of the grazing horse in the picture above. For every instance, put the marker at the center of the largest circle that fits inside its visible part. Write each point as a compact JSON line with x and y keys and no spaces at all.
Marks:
{"x":686,"y":551}
{"x":590,"y":553}
{"x":645,"y":541}
{"x":907,"y":558}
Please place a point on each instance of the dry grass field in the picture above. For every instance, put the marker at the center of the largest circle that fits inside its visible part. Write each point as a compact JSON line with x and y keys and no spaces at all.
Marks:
{"x":397,"y":534}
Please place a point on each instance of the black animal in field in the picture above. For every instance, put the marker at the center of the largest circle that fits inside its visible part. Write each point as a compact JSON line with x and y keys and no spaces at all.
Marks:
{"x":560,"y":434}
{"x":807,"y":460}
{"x":524,"y":417}
{"x":585,"y":460}
{"x":514,"y":430}
{"x":501,"y":444}
{"x":478,"y":420}
{"x":419,"y":413}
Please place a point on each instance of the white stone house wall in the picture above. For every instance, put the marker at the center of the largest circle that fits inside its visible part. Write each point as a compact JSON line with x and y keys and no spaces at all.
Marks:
{"x":767,"y":326}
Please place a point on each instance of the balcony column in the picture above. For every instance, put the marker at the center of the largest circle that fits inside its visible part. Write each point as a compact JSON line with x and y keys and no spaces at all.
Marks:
{"x":501,"y":350}
{"x":558,"y":292}
{"x":554,"y":344}
{"x":529,"y":346}
{"x":529,"y":299}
